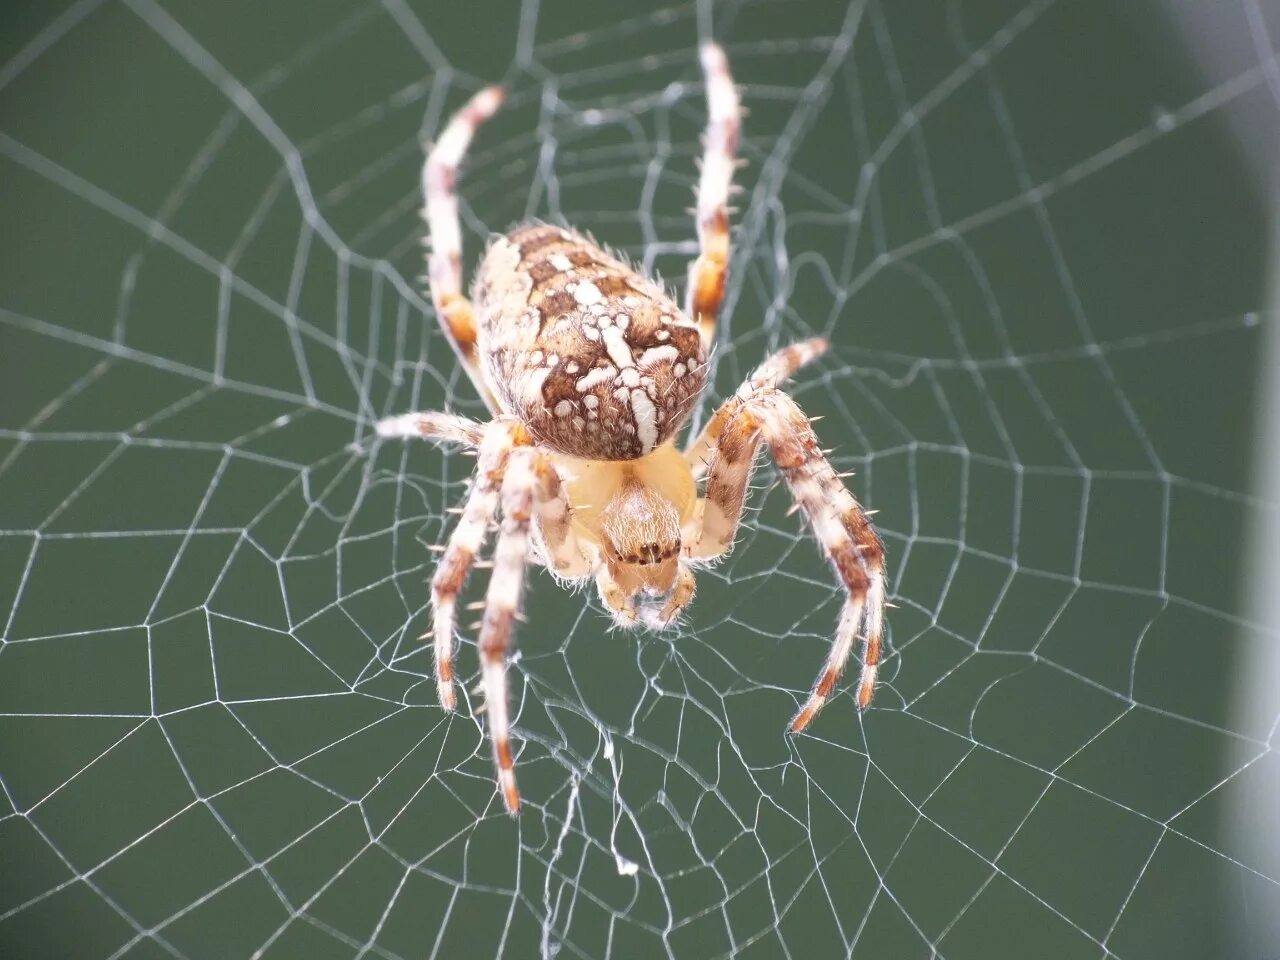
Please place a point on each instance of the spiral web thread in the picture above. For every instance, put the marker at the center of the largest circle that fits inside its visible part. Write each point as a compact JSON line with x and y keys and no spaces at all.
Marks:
{"x":218,"y":682}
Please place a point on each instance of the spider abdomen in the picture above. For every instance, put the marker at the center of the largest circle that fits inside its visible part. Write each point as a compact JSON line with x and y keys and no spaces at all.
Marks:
{"x":595,"y":359}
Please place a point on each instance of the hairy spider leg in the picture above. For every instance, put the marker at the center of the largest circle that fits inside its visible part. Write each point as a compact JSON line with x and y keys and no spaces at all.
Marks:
{"x":761,"y":412}
{"x":463,"y":547}
{"x":518,"y":480}
{"x":501,"y":608}
{"x":707,"y":274}
{"x":774,"y":372}
{"x":522,"y":480}
{"x":444,"y":233}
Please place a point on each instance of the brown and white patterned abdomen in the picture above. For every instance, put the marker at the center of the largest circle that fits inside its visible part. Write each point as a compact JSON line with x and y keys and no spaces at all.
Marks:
{"x":597,"y":361}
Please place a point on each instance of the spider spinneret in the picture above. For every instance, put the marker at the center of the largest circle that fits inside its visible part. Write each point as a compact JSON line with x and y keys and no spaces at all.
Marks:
{"x":590,"y":371}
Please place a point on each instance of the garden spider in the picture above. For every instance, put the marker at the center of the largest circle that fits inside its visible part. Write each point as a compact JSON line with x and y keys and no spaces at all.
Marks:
{"x":590,"y":370}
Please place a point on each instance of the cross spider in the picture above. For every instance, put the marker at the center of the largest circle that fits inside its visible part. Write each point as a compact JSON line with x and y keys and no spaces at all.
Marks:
{"x":590,"y":370}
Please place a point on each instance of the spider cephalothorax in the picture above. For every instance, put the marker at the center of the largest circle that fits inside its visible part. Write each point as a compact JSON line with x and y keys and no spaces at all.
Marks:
{"x":590,"y":371}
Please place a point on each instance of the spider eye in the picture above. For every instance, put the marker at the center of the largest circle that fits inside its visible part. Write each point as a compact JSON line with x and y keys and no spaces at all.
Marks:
{"x":642,"y":526}
{"x":655,"y":552}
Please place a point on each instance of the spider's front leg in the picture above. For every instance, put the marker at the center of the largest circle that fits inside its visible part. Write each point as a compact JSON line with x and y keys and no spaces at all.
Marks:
{"x":774,"y":372}
{"x":762,"y":412}
{"x":567,"y":556}
{"x":501,"y":608}
{"x":525,"y":480}
{"x":495,"y":442}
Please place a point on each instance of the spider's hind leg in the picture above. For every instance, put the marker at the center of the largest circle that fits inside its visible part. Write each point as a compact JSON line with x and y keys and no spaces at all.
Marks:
{"x":707,"y":274}
{"x":444,"y":265}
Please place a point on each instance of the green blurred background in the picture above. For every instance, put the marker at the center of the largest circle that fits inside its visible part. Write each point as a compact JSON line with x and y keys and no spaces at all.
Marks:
{"x":1035,"y":233}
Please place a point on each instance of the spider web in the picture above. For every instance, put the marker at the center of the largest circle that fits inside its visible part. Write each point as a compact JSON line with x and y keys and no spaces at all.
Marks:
{"x":1034,"y":232}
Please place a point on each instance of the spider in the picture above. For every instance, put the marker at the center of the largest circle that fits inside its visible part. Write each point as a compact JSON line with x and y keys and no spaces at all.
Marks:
{"x":590,"y":370}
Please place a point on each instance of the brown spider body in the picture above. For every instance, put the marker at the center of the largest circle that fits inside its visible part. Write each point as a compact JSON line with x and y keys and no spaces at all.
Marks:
{"x":593,"y":358}
{"x":590,"y":369}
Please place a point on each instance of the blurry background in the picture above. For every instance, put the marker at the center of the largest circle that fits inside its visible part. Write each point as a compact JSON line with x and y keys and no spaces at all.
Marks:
{"x":1038,"y":234}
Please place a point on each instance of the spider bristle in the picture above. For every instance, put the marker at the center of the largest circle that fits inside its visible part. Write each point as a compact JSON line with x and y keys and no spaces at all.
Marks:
{"x":437,"y":548}
{"x":868,"y":513}
{"x":483,"y":565}
{"x":478,"y":605}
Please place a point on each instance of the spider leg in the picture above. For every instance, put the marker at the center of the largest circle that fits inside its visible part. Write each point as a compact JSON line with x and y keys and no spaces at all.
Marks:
{"x":468,"y":537}
{"x":566,"y":555}
{"x":774,"y":372}
{"x":720,"y":147}
{"x":460,"y":553}
{"x":842,"y":528}
{"x":444,"y":266}
{"x":433,"y":426}
{"x":501,"y":608}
